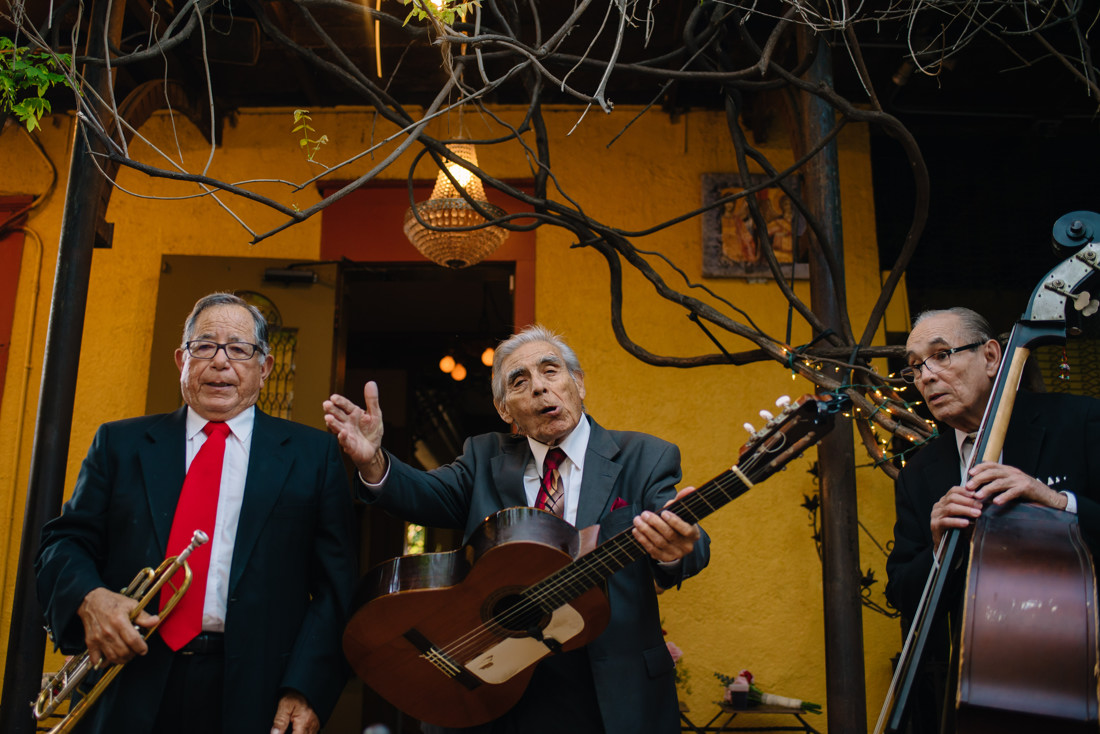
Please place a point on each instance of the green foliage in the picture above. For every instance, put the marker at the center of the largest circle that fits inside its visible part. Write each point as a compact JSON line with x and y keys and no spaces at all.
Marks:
{"x":302,"y":125}
{"x":683,"y":678}
{"x":25,"y":77}
{"x":445,"y":12}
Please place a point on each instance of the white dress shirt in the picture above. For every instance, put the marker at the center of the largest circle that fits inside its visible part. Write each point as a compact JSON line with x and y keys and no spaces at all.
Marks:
{"x":571,"y":470}
{"x":230,"y":497}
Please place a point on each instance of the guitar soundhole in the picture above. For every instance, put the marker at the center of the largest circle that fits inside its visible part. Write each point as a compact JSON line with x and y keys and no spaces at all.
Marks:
{"x":512,"y":614}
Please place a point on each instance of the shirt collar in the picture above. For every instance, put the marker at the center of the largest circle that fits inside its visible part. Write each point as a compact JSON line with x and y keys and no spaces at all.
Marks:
{"x":574,"y":445}
{"x":240,"y":425}
{"x":960,"y":436}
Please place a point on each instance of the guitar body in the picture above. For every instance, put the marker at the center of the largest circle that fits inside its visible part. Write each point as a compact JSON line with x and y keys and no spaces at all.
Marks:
{"x":447,"y":637}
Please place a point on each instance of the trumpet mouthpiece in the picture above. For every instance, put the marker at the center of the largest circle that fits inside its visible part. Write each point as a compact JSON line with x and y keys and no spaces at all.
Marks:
{"x":199,"y":538}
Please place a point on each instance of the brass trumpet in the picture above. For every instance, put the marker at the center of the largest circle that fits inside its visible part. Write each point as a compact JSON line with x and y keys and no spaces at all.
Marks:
{"x":144,"y":588}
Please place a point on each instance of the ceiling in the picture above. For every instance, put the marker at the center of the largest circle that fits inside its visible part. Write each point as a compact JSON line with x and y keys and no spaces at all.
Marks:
{"x":987,"y":79}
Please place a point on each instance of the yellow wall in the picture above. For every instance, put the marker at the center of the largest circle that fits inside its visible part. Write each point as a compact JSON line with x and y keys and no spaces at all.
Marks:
{"x":758,"y":606}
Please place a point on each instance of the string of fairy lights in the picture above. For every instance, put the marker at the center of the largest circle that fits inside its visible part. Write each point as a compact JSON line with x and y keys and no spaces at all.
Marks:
{"x":891,"y":418}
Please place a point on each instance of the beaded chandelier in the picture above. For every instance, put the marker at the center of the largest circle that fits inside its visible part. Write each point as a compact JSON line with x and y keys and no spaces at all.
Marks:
{"x":446,"y":210}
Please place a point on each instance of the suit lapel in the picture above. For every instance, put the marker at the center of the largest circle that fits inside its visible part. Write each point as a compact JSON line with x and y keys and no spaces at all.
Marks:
{"x":508,"y":467}
{"x":162,"y":461}
{"x":600,"y":475}
{"x":1024,"y":439}
{"x":943,"y":468}
{"x":269,"y":460}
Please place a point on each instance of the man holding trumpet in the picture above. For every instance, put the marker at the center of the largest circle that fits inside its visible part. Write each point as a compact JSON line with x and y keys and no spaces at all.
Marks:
{"x":254,"y":645}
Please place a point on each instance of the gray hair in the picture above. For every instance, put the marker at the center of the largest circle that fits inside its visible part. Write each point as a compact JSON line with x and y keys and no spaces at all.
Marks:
{"x":974,"y":324}
{"x":259,"y":323}
{"x":534,"y":333}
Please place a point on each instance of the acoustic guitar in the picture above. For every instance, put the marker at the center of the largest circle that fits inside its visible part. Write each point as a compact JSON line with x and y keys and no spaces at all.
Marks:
{"x":453,"y":638}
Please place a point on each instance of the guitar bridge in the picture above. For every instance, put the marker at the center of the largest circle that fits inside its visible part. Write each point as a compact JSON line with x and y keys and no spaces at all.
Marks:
{"x":441,"y":660}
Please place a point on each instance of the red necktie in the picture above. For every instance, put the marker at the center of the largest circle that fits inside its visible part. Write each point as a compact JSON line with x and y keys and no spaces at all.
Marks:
{"x":197,"y":510}
{"x":551,"y":495}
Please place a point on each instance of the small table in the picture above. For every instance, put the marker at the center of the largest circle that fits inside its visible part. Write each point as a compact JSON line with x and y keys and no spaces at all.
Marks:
{"x":723,"y":721}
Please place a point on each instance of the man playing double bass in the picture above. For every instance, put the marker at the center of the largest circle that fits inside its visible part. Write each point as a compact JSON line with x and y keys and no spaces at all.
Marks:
{"x":1049,"y":458}
{"x":623,"y":680}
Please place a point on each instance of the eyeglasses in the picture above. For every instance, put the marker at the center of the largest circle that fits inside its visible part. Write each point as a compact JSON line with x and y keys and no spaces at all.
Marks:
{"x":935,"y":363}
{"x":237,"y":351}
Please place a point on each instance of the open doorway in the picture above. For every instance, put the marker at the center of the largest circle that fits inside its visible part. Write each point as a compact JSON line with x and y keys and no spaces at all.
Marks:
{"x":398,"y":323}
{"x":398,"y":316}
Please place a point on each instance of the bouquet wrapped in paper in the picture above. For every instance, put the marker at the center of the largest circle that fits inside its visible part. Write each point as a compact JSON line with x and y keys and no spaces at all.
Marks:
{"x":740,"y":692}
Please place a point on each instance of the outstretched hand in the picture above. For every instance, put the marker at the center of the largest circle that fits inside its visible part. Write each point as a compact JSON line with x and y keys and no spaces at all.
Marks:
{"x":359,"y":431}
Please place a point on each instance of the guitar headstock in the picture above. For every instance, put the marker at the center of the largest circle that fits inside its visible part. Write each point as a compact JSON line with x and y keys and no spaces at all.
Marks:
{"x":797,"y":426}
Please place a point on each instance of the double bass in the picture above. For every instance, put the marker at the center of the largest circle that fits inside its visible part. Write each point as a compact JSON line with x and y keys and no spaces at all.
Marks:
{"x":1026,"y":658}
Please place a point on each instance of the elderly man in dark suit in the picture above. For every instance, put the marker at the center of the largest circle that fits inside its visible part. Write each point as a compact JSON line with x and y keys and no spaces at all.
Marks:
{"x":270,"y":610}
{"x":1049,"y":458}
{"x":623,"y":680}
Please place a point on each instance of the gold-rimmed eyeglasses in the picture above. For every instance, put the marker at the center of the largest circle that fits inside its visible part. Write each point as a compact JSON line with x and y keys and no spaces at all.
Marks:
{"x":935,"y":363}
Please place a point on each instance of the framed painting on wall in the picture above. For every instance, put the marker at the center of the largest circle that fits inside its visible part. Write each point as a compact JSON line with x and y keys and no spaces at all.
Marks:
{"x":731,"y":248}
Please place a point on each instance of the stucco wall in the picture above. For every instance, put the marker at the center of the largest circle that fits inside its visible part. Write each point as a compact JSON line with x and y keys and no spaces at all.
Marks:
{"x":758,"y":606}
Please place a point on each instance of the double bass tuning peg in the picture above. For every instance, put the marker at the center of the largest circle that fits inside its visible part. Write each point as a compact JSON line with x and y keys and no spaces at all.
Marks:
{"x":1086,"y":304}
{"x":1083,"y":301}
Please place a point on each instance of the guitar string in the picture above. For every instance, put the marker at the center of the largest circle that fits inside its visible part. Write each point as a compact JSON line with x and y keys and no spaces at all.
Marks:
{"x":552,"y":587}
{"x":722,"y":483}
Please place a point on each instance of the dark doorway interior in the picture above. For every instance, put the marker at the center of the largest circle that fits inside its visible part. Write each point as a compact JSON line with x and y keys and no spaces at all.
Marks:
{"x":396,"y":323}
{"x":400,"y":321}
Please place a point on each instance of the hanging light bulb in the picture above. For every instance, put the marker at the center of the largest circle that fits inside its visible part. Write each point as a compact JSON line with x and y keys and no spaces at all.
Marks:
{"x":487,"y":356}
{"x":458,"y":374}
{"x":447,"y":364}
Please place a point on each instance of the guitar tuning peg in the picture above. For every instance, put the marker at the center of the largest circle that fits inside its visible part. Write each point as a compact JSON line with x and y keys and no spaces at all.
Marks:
{"x":1092,"y":308}
{"x":766,"y":415}
{"x":783,"y":401}
{"x":748,"y":427}
{"x":1081,"y":300}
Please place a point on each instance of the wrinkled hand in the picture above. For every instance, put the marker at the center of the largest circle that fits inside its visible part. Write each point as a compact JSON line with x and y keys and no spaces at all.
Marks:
{"x":359,"y":431}
{"x":989,"y":482}
{"x":998,"y":483}
{"x":665,"y":537}
{"x":956,"y":509}
{"x":108,"y":632}
{"x":295,"y":712}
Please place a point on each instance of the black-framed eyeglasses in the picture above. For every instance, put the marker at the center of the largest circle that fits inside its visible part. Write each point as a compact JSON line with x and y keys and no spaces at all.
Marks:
{"x":237,"y":351}
{"x":935,"y":363}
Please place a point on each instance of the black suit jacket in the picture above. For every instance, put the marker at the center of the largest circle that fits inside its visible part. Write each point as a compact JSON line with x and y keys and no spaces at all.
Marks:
{"x":1054,"y":437}
{"x":631,"y":666}
{"x":291,"y":578}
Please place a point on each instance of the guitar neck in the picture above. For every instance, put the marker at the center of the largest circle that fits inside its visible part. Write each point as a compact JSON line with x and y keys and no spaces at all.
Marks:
{"x":800,"y":426}
{"x":623,"y":549}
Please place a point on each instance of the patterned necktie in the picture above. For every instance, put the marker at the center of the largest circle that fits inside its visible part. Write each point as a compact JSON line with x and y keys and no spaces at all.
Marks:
{"x":197,"y":510}
{"x":552,"y":494}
